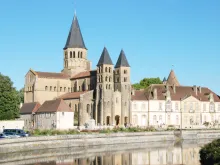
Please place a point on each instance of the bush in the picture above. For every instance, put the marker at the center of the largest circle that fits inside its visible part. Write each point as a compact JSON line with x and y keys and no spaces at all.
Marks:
{"x":38,"y":132}
{"x":210,"y":153}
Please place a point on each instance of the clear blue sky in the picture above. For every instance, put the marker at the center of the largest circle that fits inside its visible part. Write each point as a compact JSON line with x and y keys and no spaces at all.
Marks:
{"x":155,"y":34}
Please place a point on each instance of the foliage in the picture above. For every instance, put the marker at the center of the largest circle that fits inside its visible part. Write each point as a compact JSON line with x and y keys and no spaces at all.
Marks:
{"x":129,"y":129}
{"x":38,"y":132}
{"x":206,"y":124}
{"x":9,"y":99}
{"x":146,"y":82}
{"x":210,"y":153}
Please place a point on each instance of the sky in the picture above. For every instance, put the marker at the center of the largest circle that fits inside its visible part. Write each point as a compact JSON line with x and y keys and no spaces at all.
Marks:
{"x":156,"y":36}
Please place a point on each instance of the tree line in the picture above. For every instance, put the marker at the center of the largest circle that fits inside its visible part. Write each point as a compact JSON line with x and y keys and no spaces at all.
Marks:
{"x":146,"y":82}
{"x":10,"y":99}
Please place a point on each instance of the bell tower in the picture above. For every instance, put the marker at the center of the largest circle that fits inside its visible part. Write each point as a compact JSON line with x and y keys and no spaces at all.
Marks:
{"x":75,"y":51}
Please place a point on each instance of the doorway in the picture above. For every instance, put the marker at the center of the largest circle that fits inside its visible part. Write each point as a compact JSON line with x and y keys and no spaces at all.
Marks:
{"x":117,"y":120}
{"x":108,"y":120}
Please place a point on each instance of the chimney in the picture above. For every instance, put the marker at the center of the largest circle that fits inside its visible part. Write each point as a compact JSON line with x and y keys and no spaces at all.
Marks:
{"x":155,"y":93}
{"x":195,"y":89}
{"x":174,"y":88}
{"x":200,"y":89}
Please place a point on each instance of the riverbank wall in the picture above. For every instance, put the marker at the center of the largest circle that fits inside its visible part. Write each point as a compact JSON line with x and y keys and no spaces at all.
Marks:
{"x":89,"y":140}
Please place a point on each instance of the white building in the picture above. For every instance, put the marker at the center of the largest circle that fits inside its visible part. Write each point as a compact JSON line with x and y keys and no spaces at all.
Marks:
{"x":170,"y":104}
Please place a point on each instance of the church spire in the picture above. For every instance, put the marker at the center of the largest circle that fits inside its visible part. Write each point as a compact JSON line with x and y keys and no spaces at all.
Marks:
{"x":122,"y":60}
{"x":172,"y":79}
{"x":75,"y":39}
{"x":105,"y":58}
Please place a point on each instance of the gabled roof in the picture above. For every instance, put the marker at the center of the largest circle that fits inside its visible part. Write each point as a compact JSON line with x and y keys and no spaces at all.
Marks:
{"x":72,"y":95}
{"x":52,"y":75}
{"x":54,"y":106}
{"x":29,"y":108}
{"x":122,"y":60}
{"x":172,"y":79}
{"x":75,"y":39}
{"x":105,"y":58}
{"x":85,"y":74}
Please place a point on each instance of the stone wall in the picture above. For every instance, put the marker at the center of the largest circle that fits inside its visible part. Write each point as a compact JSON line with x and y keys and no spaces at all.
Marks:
{"x":91,"y":140}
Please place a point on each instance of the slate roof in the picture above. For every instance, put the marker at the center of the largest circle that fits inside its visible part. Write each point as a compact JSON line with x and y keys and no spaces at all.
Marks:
{"x":57,"y":105}
{"x":164,"y":79}
{"x":29,"y":108}
{"x":105,"y":58}
{"x":52,"y":75}
{"x":181,"y":93}
{"x":75,"y":39}
{"x":172,"y":79}
{"x":72,"y":95}
{"x":90,"y":73}
{"x":122,"y":60}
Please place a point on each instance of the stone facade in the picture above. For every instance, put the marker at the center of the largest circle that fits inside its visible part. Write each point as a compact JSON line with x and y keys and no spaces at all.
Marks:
{"x":103,"y":94}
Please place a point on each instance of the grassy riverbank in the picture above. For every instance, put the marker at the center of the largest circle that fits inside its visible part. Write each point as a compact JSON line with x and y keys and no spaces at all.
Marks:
{"x":74,"y":131}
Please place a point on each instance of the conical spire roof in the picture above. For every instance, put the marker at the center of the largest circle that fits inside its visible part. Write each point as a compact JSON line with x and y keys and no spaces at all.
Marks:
{"x":172,"y":79}
{"x":164,"y":79}
{"x":75,"y":39}
{"x":105,"y":58}
{"x":122,"y":60}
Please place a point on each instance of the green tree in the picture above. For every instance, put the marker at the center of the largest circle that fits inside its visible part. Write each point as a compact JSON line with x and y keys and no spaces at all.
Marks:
{"x":146,"y":82}
{"x":9,"y":99}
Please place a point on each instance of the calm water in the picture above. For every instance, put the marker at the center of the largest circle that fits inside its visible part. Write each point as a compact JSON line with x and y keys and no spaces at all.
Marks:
{"x":166,"y":153}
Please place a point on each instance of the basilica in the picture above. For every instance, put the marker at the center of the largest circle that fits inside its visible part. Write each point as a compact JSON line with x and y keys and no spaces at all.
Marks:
{"x":102,"y":94}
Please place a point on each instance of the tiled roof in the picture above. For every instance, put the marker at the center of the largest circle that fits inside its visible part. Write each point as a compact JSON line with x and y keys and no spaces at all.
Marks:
{"x":75,"y":39}
{"x":54,"y":106}
{"x":139,"y":95}
{"x":90,"y":73}
{"x":52,"y":75}
{"x":181,"y":92}
{"x":72,"y":95}
{"x":105,"y":58}
{"x":122,"y":60}
{"x":29,"y":108}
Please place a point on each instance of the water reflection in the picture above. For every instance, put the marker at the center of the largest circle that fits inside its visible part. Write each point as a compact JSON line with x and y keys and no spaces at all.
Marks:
{"x":167,"y":153}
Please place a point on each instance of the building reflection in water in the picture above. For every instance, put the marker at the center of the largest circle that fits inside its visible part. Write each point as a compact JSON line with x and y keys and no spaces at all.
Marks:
{"x":176,"y":155}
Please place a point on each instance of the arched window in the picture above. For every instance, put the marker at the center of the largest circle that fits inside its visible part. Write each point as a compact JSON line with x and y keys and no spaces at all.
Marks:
{"x":70,"y":105}
{"x":88,"y":108}
{"x":110,"y":70}
{"x":110,"y":79}
{"x":66,"y":55}
{"x":64,"y":89}
{"x":101,"y":78}
{"x":106,"y":69}
{"x":66,"y":63}
{"x":55,"y":88}
{"x":71,"y":54}
{"x":81,"y":54}
{"x":106,"y":86}
{"x":79,"y":88}
{"x":74,"y":54}
{"x":109,"y":86}
{"x":106,"y":78}
{"x":125,"y":71}
{"x":45,"y":88}
{"x":60,"y":89}
{"x":50,"y":88}
{"x":75,"y":108}
{"x":78,"y":54}
{"x":125,"y":79}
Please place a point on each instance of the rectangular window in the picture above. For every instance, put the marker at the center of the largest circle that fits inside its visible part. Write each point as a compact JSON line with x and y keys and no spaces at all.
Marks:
{"x":50,"y":88}
{"x":204,"y":107}
{"x":176,"y":107}
{"x":218,"y":107}
{"x":63,"y":114}
{"x":160,"y":106}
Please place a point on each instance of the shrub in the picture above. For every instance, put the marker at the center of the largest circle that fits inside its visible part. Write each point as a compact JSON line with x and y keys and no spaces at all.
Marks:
{"x":210,"y":153}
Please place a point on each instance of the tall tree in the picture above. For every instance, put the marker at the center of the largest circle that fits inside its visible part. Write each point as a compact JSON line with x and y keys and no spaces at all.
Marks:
{"x":146,"y":82}
{"x":21,"y":95}
{"x":9,"y":99}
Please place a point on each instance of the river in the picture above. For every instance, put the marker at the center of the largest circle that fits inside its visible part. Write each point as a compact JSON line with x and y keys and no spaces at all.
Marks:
{"x":160,"y":153}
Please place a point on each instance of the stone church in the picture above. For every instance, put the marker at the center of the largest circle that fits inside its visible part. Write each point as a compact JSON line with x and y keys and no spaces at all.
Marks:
{"x":103,"y":94}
